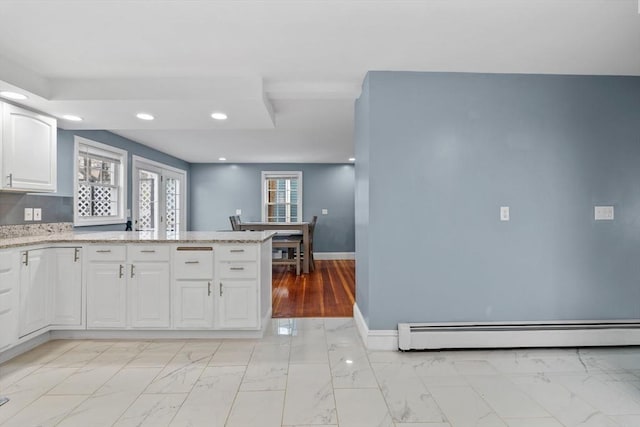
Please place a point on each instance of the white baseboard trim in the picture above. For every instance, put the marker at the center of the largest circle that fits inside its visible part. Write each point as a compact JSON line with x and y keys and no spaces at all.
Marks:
{"x":24,"y":347}
{"x":334,"y":255}
{"x":374,"y":339}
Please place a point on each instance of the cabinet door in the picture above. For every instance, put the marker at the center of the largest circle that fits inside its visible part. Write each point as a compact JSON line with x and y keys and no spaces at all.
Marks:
{"x":34,"y":291}
{"x":28,"y":150}
{"x":9,"y":299}
{"x":193,"y":304}
{"x":238,"y":304}
{"x":106,"y":295}
{"x":67,"y":287}
{"x":149,"y":286}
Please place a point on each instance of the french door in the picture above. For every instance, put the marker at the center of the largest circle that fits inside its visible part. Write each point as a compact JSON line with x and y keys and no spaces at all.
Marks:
{"x":159,"y":197}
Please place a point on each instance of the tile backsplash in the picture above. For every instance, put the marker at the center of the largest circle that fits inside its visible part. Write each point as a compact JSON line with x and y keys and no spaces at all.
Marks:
{"x":54,"y":208}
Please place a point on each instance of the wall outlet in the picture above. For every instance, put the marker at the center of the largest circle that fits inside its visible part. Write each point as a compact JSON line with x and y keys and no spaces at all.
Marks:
{"x":325,"y":211}
{"x":603,"y":213}
{"x":37,"y":214}
{"x":28,"y":214}
{"x":238,"y":211}
{"x":504,"y":213}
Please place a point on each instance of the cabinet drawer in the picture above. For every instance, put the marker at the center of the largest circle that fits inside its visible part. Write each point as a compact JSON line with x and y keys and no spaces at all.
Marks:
{"x":149,"y":253}
{"x":106,"y":253}
{"x":193,"y":264}
{"x":238,"y":270}
{"x":237,"y":253}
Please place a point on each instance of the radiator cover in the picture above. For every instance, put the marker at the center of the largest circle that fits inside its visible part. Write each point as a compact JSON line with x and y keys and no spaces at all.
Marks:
{"x":435,"y":336}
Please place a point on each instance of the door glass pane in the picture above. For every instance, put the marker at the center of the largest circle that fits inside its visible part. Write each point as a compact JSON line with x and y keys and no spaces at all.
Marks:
{"x":148,"y":216}
{"x":172,"y":204}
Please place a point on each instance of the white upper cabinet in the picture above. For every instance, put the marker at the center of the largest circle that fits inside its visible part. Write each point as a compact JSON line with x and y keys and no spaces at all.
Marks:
{"x":29,"y":144}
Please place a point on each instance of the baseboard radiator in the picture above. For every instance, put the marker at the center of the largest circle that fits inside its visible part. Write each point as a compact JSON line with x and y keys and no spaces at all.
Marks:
{"x":434,"y":336}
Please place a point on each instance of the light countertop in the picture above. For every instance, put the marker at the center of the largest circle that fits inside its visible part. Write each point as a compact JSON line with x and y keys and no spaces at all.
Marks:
{"x":140,"y":237}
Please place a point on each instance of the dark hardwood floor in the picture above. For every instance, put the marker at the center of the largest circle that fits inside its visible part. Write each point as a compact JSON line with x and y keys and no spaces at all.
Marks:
{"x":329,"y":291}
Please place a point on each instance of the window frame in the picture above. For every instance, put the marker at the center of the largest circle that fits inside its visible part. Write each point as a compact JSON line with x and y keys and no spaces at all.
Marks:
{"x":122,"y":155}
{"x":266,"y":175}
{"x":164,"y":171}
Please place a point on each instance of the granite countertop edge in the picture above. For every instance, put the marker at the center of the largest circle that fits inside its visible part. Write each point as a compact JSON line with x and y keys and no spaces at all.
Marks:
{"x":116,"y":237}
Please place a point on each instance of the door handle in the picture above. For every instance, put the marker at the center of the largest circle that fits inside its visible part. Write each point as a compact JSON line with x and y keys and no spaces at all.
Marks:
{"x":10,"y":176}
{"x":121,"y":273}
{"x":76,"y":254}
{"x":236,"y":268}
{"x":132,"y":267}
{"x":26,"y":258}
{"x":209,"y":288}
{"x":220,"y":288}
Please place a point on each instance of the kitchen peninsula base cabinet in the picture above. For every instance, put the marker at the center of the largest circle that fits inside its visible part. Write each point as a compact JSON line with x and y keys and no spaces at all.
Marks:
{"x":106,"y":286}
{"x":119,"y":285}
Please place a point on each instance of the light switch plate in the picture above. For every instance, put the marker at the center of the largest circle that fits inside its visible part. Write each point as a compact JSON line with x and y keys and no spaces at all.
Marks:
{"x":504,"y":213}
{"x":325,"y":211}
{"x":238,"y":211}
{"x":37,"y":214}
{"x":603,"y":213}
{"x":28,"y":214}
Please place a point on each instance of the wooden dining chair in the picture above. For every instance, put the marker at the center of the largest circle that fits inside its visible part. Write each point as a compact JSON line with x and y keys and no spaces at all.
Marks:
{"x":293,"y":246}
{"x":235,"y":222}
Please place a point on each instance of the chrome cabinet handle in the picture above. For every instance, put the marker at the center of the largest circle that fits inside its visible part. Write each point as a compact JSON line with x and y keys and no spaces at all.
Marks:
{"x":10,"y":176}
{"x":103,"y":251}
{"x":192,"y":262}
{"x":209,"y":288}
{"x":236,"y":250}
{"x":76,"y":254}
{"x":121,"y":273}
{"x":236,"y":268}
{"x":148,"y":251}
{"x":132,"y":267}
{"x":220,"y":288}
{"x":26,"y":258}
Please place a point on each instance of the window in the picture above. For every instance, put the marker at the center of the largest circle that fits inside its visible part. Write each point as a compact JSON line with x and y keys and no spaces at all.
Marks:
{"x":100,"y":183}
{"x":282,"y":196}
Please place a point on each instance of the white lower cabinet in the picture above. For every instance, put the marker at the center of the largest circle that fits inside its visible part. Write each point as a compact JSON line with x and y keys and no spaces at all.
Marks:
{"x":35,"y":292}
{"x":237,"y":266}
{"x":106,"y":295}
{"x":193,"y":287}
{"x":237,"y":304}
{"x":66,"y":266}
{"x":193,"y":304}
{"x":9,"y":298}
{"x":149,"y":294}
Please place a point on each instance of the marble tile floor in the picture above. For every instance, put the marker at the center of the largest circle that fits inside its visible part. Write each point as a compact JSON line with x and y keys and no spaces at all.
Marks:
{"x":316,"y":372}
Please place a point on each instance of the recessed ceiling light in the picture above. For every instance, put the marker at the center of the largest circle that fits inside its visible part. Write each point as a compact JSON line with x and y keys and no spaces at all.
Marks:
{"x":219,"y":116}
{"x":12,"y":95}
{"x":72,"y":118}
{"x":352,"y":159}
{"x":222,"y":159}
{"x":145,"y":116}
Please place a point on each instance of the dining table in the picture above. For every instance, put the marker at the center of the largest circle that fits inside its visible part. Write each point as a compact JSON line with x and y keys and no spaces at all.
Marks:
{"x":284,"y":228}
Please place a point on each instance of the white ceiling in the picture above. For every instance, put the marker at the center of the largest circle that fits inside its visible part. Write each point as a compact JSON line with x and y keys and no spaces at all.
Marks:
{"x":286,"y":72}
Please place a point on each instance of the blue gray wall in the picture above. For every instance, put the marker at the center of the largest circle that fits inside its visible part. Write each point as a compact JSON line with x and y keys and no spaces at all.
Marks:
{"x":441,"y":152}
{"x":217,"y":190}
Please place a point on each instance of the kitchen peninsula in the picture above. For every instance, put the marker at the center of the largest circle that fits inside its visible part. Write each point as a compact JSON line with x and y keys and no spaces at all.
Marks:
{"x":133,"y":285}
